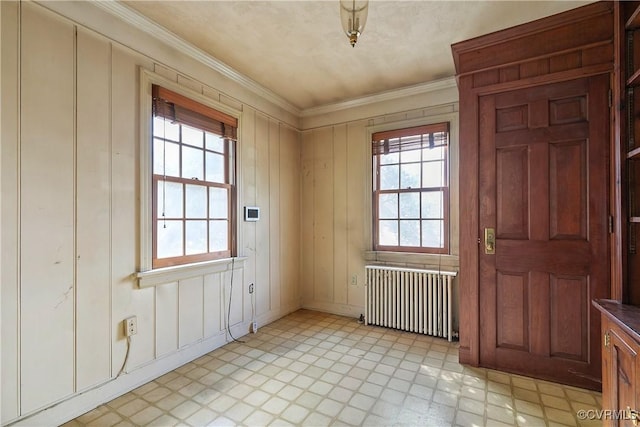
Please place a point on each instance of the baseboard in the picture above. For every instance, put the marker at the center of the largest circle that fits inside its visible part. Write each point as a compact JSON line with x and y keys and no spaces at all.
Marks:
{"x":80,"y":403}
{"x":272,"y":316}
{"x":85,"y":401}
{"x":333,"y":308}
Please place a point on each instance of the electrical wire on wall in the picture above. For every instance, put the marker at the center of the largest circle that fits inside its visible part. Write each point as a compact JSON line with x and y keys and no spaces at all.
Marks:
{"x":253,"y":309}
{"x":102,"y":384}
{"x":233,"y":260}
{"x":126,"y":358}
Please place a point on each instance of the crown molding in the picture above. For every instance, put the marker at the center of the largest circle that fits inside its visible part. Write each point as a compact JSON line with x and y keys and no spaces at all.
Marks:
{"x":390,"y":95}
{"x":144,"y":24}
{"x":139,"y":21}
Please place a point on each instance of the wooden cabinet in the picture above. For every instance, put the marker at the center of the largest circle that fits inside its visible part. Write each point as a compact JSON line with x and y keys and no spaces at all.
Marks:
{"x":621,"y":315}
{"x":628,"y":115}
{"x":620,"y":363}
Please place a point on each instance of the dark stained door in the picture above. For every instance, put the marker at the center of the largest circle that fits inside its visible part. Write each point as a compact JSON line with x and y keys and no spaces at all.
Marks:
{"x":544,"y":190}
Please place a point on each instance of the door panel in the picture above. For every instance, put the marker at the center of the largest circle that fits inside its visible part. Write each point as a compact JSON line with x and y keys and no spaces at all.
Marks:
{"x":511,"y":310}
{"x":543,"y":185}
{"x":568,"y":190}
{"x":513,"y":193}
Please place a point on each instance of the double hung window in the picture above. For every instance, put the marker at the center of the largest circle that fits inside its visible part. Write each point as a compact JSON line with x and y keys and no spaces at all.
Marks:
{"x":193,"y":188}
{"x":411,"y":189}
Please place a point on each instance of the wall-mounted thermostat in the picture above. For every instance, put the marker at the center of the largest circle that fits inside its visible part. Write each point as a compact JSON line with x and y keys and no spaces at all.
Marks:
{"x":251,"y":213}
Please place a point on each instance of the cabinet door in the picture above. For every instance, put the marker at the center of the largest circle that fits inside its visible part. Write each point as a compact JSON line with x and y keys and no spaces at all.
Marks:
{"x":624,"y":374}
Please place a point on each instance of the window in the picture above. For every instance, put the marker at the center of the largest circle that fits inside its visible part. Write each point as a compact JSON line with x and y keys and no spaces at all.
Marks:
{"x":411,"y":189}
{"x":193,"y":189}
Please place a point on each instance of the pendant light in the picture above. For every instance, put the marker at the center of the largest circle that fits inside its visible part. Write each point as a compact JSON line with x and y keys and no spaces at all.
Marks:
{"x":353,"y":14}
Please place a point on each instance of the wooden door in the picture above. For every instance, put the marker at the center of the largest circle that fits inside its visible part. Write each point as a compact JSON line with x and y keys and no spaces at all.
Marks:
{"x":543,"y":186}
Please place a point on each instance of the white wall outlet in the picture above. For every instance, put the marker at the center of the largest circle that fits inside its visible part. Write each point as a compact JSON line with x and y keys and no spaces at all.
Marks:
{"x":354,"y":280}
{"x":130,"y":326}
{"x":254,"y":327}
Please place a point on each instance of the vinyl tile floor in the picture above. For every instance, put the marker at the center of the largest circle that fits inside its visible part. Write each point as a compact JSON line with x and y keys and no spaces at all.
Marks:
{"x":319,"y":369}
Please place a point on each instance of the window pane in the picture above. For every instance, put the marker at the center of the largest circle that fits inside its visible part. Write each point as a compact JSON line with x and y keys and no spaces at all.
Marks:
{"x":165,"y":129}
{"x":410,"y":205}
{"x":388,"y":233}
{"x":433,"y":174}
{"x":172,"y":191}
{"x":409,"y":233}
{"x":214,"y":142}
{"x":389,"y":177}
{"x":432,"y":204}
{"x":192,"y":163}
{"x":218,"y":203}
{"x":192,"y":136}
{"x":169,"y":242}
{"x":435,"y":153}
{"x":196,"y":201}
{"x":388,"y":206}
{"x":158,"y":157}
{"x":386,"y":159}
{"x":410,"y":175}
{"x":196,"y":238}
{"x":410,"y":156}
{"x":218,"y":236}
{"x":215,"y":167}
{"x":172,"y":165}
{"x":433,"y":234}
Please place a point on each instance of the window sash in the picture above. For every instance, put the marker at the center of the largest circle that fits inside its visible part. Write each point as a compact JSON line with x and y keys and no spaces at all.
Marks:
{"x":157,"y":220}
{"x":398,"y":218}
{"x":180,"y":150}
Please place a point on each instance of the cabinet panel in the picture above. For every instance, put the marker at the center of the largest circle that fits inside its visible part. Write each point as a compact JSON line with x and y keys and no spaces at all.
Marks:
{"x":620,"y":363}
{"x":624,"y":360}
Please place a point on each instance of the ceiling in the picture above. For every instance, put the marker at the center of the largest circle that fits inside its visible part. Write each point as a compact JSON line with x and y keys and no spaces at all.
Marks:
{"x":297,"y":50}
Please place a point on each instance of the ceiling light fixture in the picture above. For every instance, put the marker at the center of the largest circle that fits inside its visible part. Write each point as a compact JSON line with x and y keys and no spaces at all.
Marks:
{"x":353,"y":14}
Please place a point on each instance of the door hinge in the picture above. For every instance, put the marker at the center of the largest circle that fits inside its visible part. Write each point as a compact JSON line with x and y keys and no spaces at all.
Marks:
{"x":610,"y":224}
{"x":610,"y":98}
{"x":607,"y":339}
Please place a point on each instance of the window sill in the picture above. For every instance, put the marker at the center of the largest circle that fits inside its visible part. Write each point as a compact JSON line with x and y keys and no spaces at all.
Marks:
{"x":414,"y":260}
{"x":164,"y":275}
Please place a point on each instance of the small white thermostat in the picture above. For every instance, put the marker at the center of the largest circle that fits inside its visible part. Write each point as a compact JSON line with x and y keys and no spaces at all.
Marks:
{"x":251,"y":213}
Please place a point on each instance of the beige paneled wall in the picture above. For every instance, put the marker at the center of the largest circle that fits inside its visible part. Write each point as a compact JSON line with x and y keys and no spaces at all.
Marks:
{"x":336,"y":203}
{"x":70,"y":247}
{"x":333,"y":217}
{"x":47,"y":234}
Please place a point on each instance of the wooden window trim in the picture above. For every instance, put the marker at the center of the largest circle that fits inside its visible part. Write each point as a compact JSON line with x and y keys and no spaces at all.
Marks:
{"x":180,"y":109}
{"x":188,"y":103}
{"x":377,"y":152}
{"x":229,"y":184}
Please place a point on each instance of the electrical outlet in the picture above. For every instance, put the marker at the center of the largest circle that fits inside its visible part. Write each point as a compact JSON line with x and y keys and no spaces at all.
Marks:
{"x":254,"y":327}
{"x":354,"y":280}
{"x":251,"y":288}
{"x":130,"y":326}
